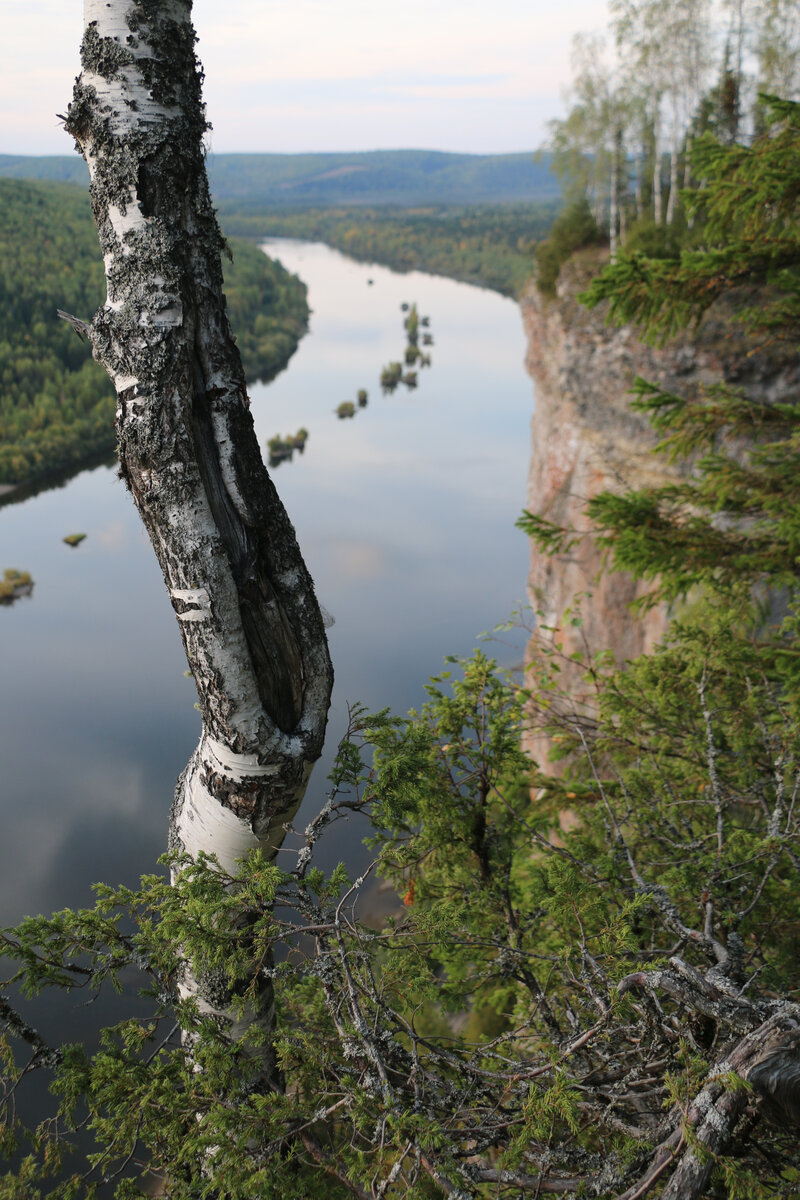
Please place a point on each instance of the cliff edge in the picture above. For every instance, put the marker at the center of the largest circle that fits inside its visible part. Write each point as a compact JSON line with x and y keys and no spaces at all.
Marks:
{"x":587,"y":439}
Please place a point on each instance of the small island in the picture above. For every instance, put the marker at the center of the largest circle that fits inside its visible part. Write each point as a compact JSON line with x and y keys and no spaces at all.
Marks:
{"x":391,"y":376}
{"x":282,"y":449}
{"x":74,"y":539}
{"x":14,"y":585}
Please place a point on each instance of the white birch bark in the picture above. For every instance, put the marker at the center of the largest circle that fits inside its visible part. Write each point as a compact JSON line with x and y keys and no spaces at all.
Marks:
{"x":687,"y":164}
{"x":658,"y":211}
{"x":638,"y":190}
{"x":244,"y":601}
{"x":672,"y":199}
{"x":613,"y":197}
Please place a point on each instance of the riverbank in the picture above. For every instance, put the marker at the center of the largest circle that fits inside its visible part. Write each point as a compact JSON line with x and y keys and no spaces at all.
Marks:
{"x":58,"y":405}
{"x":489,"y":246}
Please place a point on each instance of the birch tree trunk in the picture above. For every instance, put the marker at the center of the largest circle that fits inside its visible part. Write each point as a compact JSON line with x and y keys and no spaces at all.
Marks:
{"x":244,"y":601}
{"x":639,"y":168}
{"x":657,"y":186}
{"x":672,"y":199}
{"x":613,"y":196}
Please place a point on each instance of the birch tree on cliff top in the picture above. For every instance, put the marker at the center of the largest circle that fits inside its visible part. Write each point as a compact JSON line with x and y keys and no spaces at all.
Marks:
{"x":243,"y":598}
{"x":242,"y":595}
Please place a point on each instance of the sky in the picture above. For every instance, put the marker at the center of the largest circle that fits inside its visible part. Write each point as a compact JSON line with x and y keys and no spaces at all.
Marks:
{"x":475,"y":76}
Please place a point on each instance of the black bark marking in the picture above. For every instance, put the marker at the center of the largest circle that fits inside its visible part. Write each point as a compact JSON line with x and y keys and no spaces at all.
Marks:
{"x":191,"y":389}
{"x":273,"y":649}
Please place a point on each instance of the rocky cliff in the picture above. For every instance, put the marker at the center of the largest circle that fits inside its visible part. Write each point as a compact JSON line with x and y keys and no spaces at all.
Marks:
{"x":586,"y":439}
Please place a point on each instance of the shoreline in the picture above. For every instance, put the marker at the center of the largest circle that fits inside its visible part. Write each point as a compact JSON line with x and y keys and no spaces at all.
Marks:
{"x":14,"y":492}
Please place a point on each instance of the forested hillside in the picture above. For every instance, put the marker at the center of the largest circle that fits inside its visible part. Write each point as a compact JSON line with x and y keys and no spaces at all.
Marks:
{"x":56,"y":404}
{"x":491,"y":246}
{"x":252,"y":181}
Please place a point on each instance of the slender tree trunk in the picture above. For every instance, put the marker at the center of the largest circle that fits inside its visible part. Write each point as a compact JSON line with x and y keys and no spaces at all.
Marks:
{"x":613,"y":197}
{"x":243,"y":599}
{"x":597,"y":199}
{"x":621,"y":190}
{"x":687,"y":175}
{"x":638,"y":167}
{"x":687,"y":162}
{"x":672,"y":200}
{"x":658,"y":212}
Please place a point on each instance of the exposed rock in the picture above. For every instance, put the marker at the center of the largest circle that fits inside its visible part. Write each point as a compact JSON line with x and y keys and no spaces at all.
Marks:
{"x":586,"y":439}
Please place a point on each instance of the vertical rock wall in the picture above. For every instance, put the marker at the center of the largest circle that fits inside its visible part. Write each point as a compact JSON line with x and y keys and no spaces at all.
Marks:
{"x":586,"y":439}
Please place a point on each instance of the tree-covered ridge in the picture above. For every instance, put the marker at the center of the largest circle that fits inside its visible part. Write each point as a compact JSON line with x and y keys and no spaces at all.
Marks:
{"x":56,"y":405}
{"x":487,"y":245}
{"x":399,"y":177}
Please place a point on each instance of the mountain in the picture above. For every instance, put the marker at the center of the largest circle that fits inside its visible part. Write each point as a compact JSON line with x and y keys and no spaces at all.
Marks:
{"x":401,"y":177}
{"x":55,"y":168}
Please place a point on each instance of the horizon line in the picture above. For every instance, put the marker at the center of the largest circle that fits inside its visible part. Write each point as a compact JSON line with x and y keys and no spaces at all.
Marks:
{"x":303,"y":153}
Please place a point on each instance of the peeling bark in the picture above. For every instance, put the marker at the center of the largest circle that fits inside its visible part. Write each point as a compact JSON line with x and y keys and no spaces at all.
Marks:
{"x":243,"y":598}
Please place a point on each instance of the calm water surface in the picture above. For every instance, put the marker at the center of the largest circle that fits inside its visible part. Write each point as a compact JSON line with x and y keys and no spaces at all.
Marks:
{"x":405,"y":515}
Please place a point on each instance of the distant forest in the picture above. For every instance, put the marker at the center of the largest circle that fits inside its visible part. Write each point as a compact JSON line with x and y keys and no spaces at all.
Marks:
{"x":249,"y":182}
{"x":492,"y":246}
{"x":56,"y":404}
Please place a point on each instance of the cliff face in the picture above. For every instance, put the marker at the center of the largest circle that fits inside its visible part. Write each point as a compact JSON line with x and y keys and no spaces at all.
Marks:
{"x":586,"y":439}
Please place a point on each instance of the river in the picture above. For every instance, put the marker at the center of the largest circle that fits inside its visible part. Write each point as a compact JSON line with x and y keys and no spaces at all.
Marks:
{"x":405,"y":515}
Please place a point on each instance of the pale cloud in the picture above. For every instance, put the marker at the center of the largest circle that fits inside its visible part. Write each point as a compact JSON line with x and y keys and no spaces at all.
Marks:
{"x":312,"y":75}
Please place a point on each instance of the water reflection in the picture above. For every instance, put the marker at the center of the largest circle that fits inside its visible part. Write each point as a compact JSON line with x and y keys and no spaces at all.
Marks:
{"x":405,"y":516}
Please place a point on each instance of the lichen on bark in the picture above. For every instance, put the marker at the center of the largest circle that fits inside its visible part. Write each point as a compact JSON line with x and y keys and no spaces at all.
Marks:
{"x":188,"y":452}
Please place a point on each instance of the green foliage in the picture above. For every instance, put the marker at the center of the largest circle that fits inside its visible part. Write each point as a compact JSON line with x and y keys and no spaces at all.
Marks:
{"x":571,"y":231}
{"x":655,"y":241}
{"x":56,"y":404}
{"x":682,"y":67}
{"x":267,"y":309}
{"x":490,"y":245}
{"x":391,"y":377}
{"x":468,"y":1041}
{"x":559,"y":1004}
{"x":737,"y":517}
{"x":282,"y":449}
{"x":14,"y":584}
{"x":750,"y":213}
